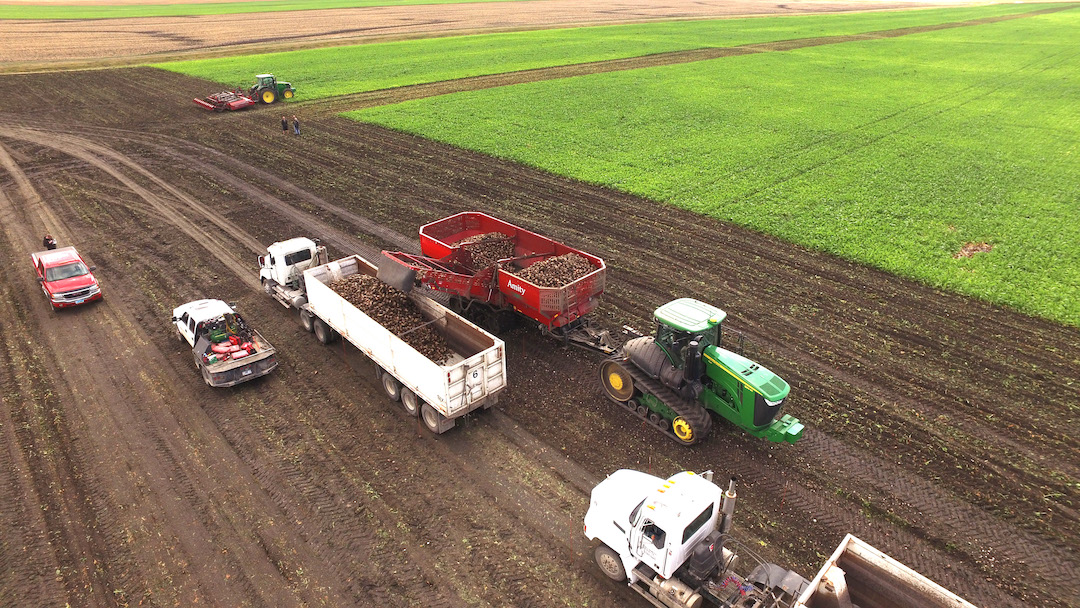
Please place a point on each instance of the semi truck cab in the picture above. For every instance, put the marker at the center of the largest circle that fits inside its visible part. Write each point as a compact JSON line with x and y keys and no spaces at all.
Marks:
{"x":653,"y":521}
{"x":286,"y":261}
{"x":281,"y":270}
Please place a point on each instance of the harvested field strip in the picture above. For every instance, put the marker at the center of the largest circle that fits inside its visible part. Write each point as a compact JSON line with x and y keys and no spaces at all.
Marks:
{"x":331,"y":72}
{"x":180,"y":9}
{"x":849,"y":150}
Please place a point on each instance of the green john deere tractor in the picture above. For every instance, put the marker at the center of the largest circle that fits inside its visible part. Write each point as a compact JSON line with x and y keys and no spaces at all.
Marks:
{"x":268,"y":89}
{"x":675,"y":379}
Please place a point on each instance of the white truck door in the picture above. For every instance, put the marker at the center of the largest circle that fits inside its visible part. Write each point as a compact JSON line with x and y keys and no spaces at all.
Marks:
{"x":649,"y":542}
{"x":186,"y":326}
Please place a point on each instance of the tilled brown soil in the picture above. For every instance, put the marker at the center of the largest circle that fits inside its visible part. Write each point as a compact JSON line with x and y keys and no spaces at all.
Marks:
{"x":939,"y":427}
{"x":69,"y":42}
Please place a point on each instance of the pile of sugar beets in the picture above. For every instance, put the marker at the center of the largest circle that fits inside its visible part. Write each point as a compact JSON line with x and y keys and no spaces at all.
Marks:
{"x":396,"y":312}
{"x":490,"y":247}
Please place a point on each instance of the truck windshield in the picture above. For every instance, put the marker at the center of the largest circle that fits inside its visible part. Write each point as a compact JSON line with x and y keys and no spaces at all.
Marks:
{"x":66,"y":271}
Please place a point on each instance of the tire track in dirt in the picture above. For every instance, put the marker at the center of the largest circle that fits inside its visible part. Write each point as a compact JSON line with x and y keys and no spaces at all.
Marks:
{"x":88,"y":152}
{"x":27,"y":556}
{"x":154,"y":447}
{"x":510,"y":578}
{"x":212,"y":162}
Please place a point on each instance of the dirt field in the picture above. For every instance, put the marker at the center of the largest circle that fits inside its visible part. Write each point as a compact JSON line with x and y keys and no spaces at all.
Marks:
{"x":67,"y":43}
{"x":939,"y":428}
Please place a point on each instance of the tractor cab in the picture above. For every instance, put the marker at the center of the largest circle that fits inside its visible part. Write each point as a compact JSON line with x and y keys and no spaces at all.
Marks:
{"x":683,"y":321}
{"x":265,"y":80}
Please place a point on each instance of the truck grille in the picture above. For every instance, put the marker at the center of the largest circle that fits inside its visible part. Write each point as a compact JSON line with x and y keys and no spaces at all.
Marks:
{"x":76,"y":295}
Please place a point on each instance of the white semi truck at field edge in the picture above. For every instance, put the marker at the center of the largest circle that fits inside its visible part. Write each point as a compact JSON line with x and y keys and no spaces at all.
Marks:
{"x":297,"y":274}
{"x":668,"y":539}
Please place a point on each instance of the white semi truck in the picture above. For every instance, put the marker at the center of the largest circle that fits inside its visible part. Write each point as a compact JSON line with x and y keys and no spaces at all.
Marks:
{"x":296,"y":274}
{"x":666,"y":539}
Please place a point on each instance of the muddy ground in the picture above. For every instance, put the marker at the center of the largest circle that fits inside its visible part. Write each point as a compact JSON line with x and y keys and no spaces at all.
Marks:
{"x":939,"y":427}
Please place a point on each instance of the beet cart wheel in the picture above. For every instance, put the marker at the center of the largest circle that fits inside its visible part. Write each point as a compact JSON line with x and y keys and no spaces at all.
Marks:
{"x":610,"y":563}
{"x":307,"y":320}
{"x":616,"y":381}
{"x":410,"y":402}
{"x":391,"y":386}
{"x":324,"y":332}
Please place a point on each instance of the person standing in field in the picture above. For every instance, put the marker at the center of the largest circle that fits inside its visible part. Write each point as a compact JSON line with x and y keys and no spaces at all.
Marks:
{"x":284,"y":125}
{"x":295,"y":124}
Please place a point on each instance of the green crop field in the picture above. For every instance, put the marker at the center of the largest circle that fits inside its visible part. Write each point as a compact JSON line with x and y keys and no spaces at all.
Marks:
{"x":328,"y":72}
{"x":894,"y":152}
{"x":117,"y":11}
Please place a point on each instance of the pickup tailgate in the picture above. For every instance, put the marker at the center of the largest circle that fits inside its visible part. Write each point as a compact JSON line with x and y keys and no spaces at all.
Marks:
{"x":231,"y":372}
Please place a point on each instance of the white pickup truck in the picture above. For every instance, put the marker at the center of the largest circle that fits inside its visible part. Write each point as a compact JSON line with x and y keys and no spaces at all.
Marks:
{"x":227,"y":351}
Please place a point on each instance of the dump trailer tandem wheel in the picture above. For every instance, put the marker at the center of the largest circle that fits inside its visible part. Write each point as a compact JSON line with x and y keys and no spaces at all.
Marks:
{"x":625,"y":384}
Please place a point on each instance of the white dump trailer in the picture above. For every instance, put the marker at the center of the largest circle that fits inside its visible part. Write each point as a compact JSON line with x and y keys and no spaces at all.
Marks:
{"x":437,"y":391}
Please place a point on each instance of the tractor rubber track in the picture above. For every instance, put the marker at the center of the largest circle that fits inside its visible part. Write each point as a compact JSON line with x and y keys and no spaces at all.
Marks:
{"x":698,"y":417}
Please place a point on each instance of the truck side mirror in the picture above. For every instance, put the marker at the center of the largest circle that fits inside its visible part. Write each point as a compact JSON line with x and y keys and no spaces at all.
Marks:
{"x":175,"y":319}
{"x":93,"y":268}
{"x":41,"y":279}
{"x":262,"y":262}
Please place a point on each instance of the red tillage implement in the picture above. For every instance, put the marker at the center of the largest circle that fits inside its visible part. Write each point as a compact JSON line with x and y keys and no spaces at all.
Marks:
{"x":489,"y":292}
{"x":225,"y":100}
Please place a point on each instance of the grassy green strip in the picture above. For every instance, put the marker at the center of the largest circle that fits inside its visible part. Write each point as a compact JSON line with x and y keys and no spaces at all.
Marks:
{"x":895,"y":153}
{"x":320,"y":73}
{"x":119,"y":11}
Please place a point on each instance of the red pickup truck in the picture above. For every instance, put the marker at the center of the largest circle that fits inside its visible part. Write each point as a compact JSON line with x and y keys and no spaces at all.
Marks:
{"x":65,"y":278}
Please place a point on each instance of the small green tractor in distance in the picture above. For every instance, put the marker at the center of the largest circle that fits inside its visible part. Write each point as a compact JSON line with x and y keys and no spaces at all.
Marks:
{"x":268,"y":89}
{"x":674,"y":379}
